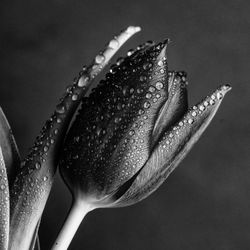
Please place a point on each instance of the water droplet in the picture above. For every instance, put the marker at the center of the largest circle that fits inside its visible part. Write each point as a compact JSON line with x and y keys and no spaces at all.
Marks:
{"x":60,"y":109}
{"x":56,"y":131}
{"x":213,"y":97}
{"x":141,"y":111}
{"x":82,"y":82}
{"x":151,"y":89}
{"x":37,"y":165}
{"x":2,"y":186}
{"x":159,"y":85}
{"x":148,"y":95}
{"x":130,"y":52}
{"x":46,"y":148}
{"x":74,"y":97}
{"x":113,"y":44}
{"x":181,"y":124}
{"x":45,"y":178}
{"x":131,"y":132}
{"x":58,"y":120}
{"x":99,"y":59}
{"x":206,"y":103}
{"x":146,"y":105}
{"x":212,"y":102}
{"x":201,"y":107}
{"x":194,"y":113}
{"x":68,"y":89}
{"x":190,"y":121}
{"x":117,"y":120}
{"x":160,"y":63}
{"x":219,"y":95}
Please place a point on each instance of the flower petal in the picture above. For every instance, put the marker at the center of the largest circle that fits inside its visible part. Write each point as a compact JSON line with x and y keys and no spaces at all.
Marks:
{"x":9,"y":148}
{"x":34,"y":180}
{"x":175,"y":106}
{"x":172,"y":148}
{"x":109,"y":139}
{"x":5,"y":206}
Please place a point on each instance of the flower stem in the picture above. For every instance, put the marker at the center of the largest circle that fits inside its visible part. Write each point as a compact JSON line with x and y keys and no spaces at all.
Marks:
{"x":76,"y":214}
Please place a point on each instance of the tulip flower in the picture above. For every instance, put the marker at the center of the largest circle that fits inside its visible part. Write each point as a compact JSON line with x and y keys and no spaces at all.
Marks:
{"x":130,"y":133}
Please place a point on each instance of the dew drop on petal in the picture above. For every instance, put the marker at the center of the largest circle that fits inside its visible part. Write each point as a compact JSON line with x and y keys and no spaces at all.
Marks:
{"x":58,"y":120}
{"x":159,"y":85}
{"x":206,"y":103}
{"x":212,"y":102}
{"x":99,"y":59}
{"x":219,"y":96}
{"x":130,"y":52}
{"x":194,"y":113}
{"x":201,"y":107}
{"x":37,"y":165}
{"x":113,"y":44}
{"x":131,"y":132}
{"x":151,"y":89}
{"x":160,"y":63}
{"x":60,"y":109}
{"x":146,"y":105}
{"x":74,"y":97}
{"x":82,"y":82}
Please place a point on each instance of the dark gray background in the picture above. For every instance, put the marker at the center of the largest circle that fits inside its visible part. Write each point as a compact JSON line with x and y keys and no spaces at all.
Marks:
{"x":205,"y":203}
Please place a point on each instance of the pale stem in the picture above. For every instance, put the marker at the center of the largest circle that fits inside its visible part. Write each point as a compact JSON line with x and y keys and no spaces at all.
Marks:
{"x":76,"y":214}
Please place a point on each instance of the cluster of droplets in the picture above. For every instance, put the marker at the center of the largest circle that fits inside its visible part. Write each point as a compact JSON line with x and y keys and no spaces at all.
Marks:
{"x":113,"y":126}
{"x":177,"y":80}
{"x":193,"y":115}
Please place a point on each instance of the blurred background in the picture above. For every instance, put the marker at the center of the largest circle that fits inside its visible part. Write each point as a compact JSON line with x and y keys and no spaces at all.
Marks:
{"x":205,"y":203}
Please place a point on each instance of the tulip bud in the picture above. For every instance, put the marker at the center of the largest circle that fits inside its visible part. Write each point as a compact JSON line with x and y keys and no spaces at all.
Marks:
{"x":130,"y":134}
{"x":109,"y":140}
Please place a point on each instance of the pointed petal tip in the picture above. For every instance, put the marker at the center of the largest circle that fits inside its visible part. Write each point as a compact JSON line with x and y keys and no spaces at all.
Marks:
{"x":162,"y":47}
{"x":167,"y":41}
{"x":220,"y":92}
{"x":225,"y":88}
